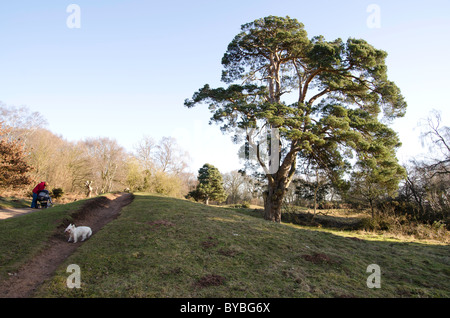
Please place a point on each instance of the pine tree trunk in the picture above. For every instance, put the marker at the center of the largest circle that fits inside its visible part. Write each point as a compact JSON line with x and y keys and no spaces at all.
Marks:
{"x":277,"y":187}
{"x":272,"y":204}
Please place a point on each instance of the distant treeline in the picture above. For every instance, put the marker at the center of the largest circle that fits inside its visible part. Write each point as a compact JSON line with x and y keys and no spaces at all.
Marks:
{"x":31,"y":153}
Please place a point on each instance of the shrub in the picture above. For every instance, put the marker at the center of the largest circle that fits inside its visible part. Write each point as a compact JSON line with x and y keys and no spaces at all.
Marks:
{"x":57,"y":193}
{"x":246,"y":205}
{"x":369,"y":224}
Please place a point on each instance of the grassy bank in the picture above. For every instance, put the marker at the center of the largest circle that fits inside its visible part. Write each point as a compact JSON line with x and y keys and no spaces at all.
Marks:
{"x":24,"y":236}
{"x":165,"y":247}
{"x":12,"y":202}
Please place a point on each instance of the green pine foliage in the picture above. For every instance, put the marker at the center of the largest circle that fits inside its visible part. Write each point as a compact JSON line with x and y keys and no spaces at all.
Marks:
{"x":210,"y":185}
{"x":343,"y":100}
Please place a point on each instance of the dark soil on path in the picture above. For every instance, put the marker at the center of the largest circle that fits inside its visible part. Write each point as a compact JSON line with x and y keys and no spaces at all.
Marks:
{"x":95,"y":213}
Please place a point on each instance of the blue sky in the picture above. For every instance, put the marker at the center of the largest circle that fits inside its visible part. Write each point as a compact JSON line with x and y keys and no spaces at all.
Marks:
{"x":126,"y":72}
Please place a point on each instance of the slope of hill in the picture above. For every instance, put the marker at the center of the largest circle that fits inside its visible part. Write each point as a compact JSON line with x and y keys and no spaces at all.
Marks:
{"x":34,"y":244}
{"x":165,"y":247}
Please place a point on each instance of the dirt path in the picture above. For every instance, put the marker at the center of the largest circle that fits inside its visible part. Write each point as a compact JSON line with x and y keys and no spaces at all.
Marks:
{"x":12,"y":212}
{"x":95,"y":213}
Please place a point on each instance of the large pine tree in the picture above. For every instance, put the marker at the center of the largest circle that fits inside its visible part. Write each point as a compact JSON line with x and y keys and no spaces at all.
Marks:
{"x":337,"y":93}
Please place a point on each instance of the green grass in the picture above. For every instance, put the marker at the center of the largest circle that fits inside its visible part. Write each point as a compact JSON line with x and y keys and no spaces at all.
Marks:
{"x":165,"y":247}
{"x":24,"y":236}
{"x":12,"y":202}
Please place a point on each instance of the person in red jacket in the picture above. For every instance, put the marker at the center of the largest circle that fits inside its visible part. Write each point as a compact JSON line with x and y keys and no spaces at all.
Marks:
{"x":41,"y":186}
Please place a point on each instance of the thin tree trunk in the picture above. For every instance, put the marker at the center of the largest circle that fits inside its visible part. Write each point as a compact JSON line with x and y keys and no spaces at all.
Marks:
{"x":316,"y":188}
{"x":315,"y":202}
{"x":371,"y":207}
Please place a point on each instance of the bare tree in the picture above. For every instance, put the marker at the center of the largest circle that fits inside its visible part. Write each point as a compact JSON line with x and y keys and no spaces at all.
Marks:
{"x":233,"y":183}
{"x":107,"y":157}
{"x":22,"y":121}
{"x":166,"y":155}
{"x":427,"y":185}
{"x":144,"y":152}
{"x":169,"y":157}
{"x":88,"y":185}
{"x":439,"y":138}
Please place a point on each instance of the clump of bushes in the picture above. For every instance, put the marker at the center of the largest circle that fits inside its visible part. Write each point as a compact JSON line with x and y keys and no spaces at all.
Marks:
{"x":57,"y":193}
{"x":245,"y":205}
{"x":405,"y":225}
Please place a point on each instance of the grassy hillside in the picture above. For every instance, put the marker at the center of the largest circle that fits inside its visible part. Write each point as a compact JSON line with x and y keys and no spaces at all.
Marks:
{"x":165,"y":247}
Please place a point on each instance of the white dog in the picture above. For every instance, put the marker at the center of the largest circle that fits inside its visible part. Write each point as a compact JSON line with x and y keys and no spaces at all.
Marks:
{"x":76,"y":232}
